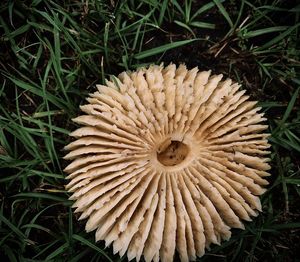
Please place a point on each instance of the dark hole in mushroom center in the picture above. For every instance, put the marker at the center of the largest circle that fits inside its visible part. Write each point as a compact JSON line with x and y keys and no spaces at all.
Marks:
{"x":172,"y":153}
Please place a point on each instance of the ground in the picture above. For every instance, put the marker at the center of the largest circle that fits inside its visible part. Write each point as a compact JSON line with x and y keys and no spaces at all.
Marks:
{"x":54,"y":52}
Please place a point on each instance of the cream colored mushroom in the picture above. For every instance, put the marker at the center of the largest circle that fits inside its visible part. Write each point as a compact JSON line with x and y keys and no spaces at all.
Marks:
{"x":167,"y":159}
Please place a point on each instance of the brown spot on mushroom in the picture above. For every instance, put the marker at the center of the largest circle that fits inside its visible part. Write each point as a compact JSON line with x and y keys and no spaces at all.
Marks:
{"x":167,"y":159}
{"x":172,"y":153}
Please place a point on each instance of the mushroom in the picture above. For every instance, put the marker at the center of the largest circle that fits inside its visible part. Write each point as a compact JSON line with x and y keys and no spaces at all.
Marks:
{"x":167,"y":159}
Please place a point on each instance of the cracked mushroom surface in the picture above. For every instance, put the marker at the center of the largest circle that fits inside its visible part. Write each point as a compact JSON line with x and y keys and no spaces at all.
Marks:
{"x":167,"y":159}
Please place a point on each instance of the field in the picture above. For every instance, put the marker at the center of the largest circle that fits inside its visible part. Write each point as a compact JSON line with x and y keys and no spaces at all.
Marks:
{"x":52,"y":53}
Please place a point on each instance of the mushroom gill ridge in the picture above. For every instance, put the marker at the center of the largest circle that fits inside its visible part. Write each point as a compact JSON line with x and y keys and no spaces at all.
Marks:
{"x":167,"y":159}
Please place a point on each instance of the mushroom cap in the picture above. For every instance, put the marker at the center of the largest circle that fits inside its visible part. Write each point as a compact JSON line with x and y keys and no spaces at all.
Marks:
{"x":167,"y":159}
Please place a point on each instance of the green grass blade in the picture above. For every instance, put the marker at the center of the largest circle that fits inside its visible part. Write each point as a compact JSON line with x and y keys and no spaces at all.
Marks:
{"x":204,"y":8}
{"x":162,"y":11}
{"x":16,"y":230}
{"x":263,"y":31}
{"x":278,"y":38}
{"x":91,"y":245}
{"x":224,"y":12}
{"x":203,"y":25}
{"x":57,"y":252}
{"x":185,"y":26}
{"x":290,"y":107}
{"x":43,"y":196}
{"x":163,"y":48}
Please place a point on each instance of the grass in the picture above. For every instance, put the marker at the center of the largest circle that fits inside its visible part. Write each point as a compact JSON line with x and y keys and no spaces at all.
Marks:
{"x":54,"y":52}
